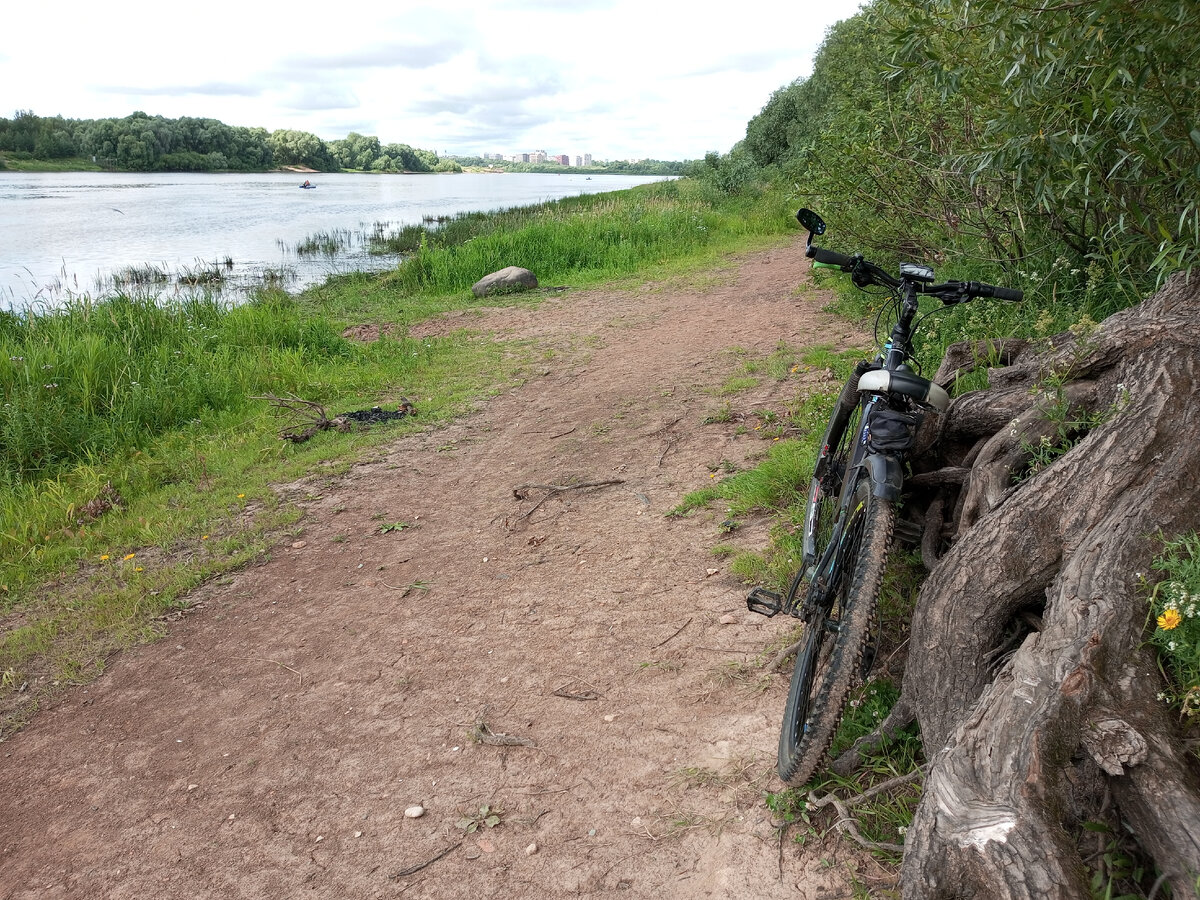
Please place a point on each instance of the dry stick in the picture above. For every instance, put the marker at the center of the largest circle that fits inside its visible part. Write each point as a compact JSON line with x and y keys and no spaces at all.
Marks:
{"x":667,"y":449}
{"x":781,"y":657}
{"x":575,"y":695}
{"x":555,"y":489}
{"x":847,"y":824}
{"x":275,"y":662}
{"x":676,"y":634}
{"x":429,"y":862}
{"x":666,"y":427}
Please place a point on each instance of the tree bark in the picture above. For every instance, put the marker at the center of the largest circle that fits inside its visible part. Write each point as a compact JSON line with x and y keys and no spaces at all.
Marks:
{"x":1012,"y":739}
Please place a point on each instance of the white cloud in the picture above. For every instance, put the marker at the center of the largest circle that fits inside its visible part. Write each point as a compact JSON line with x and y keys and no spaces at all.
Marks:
{"x":616,"y":78}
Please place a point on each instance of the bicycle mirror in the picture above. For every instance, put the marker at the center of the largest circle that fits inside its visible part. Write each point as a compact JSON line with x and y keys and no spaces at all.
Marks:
{"x":810,"y":220}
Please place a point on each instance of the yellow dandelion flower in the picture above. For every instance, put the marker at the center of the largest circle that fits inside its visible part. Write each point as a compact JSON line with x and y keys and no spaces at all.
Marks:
{"x":103,"y":557}
{"x":204,"y":537}
{"x":713,"y":475}
{"x":241,"y":496}
{"x":129,"y":556}
{"x":1169,"y":619}
{"x":138,"y":569}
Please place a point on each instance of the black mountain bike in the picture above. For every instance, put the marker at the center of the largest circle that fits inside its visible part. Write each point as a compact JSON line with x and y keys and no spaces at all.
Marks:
{"x":851,"y":515}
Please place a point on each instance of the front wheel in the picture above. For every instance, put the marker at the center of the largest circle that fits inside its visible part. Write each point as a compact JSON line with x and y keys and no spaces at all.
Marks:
{"x":827,"y":663}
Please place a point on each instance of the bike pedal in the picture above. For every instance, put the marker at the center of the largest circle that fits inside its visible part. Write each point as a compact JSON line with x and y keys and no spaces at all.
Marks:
{"x":908,"y":531}
{"x":764,"y":602}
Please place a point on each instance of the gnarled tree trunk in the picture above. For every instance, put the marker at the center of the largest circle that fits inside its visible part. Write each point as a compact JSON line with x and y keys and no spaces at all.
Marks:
{"x":1028,"y":727}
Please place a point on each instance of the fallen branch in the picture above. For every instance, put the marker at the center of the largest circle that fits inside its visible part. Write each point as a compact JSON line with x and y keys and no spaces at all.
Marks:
{"x":847,"y":824}
{"x":313,"y":413}
{"x":299,"y":675}
{"x":782,"y":656}
{"x":553,"y":490}
{"x":429,"y":862}
{"x":575,"y":695}
{"x":673,"y":636}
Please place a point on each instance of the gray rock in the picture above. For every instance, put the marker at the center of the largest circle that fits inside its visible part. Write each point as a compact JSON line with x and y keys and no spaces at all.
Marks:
{"x":514,"y":278}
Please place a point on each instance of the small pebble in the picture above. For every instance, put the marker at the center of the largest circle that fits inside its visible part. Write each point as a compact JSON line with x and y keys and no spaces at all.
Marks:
{"x":610,"y":718}
{"x":192,"y":787}
{"x":531,"y":849}
{"x":320,"y":838}
{"x":712,"y":572}
{"x":414,"y":812}
{"x":358,"y":834}
{"x":729,"y":619}
{"x":297,"y":545}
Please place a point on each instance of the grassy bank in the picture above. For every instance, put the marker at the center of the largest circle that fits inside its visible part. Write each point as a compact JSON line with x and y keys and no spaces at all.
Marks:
{"x":136,"y":460}
{"x":11,"y":163}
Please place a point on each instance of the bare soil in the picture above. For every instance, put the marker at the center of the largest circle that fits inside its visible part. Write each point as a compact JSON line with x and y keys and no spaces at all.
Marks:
{"x":270,"y":744}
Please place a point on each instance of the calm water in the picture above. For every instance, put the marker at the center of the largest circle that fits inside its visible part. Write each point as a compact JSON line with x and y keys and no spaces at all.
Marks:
{"x":70,"y":232}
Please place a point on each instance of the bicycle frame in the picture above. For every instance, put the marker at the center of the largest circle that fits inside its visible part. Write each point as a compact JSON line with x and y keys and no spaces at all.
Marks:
{"x":884,"y":384}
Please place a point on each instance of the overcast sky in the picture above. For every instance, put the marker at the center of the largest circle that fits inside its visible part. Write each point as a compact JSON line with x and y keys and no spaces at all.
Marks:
{"x":614,"y":78}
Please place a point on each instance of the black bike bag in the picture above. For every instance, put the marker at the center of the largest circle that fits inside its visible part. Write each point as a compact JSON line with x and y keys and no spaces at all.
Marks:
{"x":889,"y":430}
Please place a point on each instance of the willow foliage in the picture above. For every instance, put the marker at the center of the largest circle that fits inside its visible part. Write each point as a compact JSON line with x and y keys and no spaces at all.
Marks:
{"x":1022,"y":136}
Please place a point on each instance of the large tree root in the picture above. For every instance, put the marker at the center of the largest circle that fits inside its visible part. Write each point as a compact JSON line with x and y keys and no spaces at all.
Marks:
{"x":1024,"y":728}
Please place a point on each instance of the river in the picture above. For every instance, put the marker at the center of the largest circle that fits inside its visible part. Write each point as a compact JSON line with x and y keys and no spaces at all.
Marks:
{"x":69,"y":233}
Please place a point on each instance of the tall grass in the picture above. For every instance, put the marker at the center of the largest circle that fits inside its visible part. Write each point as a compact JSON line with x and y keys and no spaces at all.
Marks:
{"x":94,"y":378}
{"x":596,"y":236}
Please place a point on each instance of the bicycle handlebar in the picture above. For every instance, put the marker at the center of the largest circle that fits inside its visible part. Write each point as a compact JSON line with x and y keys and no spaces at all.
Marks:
{"x":829,"y":257}
{"x":979,"y":289}
{"x":869,"y":273}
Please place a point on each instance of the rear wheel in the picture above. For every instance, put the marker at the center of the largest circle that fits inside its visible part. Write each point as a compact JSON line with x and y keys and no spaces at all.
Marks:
{"x":828,"y":662}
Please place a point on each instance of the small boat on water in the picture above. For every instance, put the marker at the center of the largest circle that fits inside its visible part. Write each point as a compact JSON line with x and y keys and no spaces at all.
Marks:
{"x":308,"y":186}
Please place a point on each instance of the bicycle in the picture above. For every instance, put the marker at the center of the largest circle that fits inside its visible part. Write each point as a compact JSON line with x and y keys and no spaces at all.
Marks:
{"x":850,"y":518}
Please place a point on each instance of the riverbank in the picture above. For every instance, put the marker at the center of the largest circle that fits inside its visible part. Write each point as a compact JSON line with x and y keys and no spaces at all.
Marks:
{"x":416,"y":635}
{"x":139,"y":458}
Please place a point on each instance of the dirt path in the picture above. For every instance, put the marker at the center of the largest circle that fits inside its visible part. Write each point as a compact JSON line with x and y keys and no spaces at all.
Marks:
{"x":269,"y":746}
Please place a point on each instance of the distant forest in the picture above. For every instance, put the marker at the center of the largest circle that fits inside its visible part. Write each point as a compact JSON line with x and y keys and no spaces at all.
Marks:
{"x":143,"y":143}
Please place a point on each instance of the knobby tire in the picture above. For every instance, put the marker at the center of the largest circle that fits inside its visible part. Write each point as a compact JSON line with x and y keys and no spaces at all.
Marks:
{"x":827,"y":664}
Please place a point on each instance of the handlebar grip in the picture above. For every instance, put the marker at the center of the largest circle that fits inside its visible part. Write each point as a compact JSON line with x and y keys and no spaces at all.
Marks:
{"x":829,"y":257}
{"x":979,"y":289}
{"x":1013,"y":294}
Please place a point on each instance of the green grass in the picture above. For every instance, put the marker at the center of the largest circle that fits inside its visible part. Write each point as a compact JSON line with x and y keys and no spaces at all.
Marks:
{"x":73,"y":164}
{"x":135,"y":461}
{"x":1175,"y":624}
{"x":884,"y":818}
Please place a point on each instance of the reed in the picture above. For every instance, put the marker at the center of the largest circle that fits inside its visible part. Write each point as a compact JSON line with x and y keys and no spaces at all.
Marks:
{"x":326,"y":243}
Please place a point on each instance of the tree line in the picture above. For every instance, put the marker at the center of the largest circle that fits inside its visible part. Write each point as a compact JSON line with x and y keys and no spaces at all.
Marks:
{"x":615,"y":167}
{"x":144,"y":143}
{"x":1039,"y":138}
